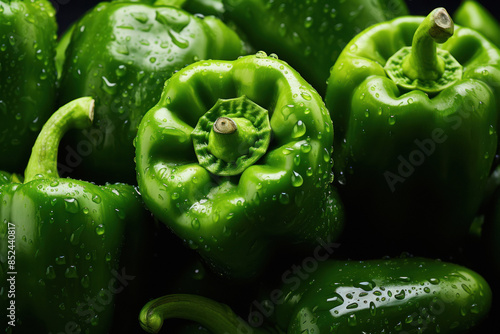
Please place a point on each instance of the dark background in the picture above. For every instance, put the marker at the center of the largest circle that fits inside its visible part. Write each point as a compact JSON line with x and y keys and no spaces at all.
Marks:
{"x":69,"y":11}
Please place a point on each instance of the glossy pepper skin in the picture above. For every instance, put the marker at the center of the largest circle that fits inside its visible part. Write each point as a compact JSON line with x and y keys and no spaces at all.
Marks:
{"x":121,"y":53}
{"x":239,"y":195}
{"x":68,"y":239}
{"x":308,"y":35}
{"x":413,"y":155}
{"x":472,"y":14}
{"x":204,"y":7}
{"x":405,"y":295}
{"x":27,"y":77}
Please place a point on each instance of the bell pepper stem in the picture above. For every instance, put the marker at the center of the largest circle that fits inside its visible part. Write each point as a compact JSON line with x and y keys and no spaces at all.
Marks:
{"x":215,"y":317}
{"x":225,"y":126}
{"x":77,"y":114}
{"x":423,"y":62}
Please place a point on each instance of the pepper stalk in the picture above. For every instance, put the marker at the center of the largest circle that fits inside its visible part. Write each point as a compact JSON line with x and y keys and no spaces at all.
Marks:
{"x":77,"y":114}
{"x":217,"y":318}
{"x":423,"y":66}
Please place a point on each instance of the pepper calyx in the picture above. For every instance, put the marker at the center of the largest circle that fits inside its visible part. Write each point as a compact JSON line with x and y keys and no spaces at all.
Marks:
{"x":423,"y":66}
{"x":230,"y":137}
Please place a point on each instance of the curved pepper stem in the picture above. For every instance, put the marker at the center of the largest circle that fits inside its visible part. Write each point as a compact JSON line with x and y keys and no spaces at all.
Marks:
{"x":423,"y":62}
{"x":216,"y":317}
{"x":77,"y":114}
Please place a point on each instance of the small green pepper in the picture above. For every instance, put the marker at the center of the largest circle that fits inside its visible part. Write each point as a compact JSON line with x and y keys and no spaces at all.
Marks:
{"x":121,"y":53}
{"x":27,"y":77}
{"x":236,"y":159}
{"x":415,"y":104}
{"x":406,"y":295}
{"x":65,"y":240}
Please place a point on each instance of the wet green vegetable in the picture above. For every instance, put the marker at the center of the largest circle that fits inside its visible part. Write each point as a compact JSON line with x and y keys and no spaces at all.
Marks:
{"x":65,"y":243}
{"x":236,"y":160}
{"x":309,"y":35}
{"x":416,"y":124}
{"x":121,"y":53}
{"x":378,"y":296}
{"x":27,"y":77}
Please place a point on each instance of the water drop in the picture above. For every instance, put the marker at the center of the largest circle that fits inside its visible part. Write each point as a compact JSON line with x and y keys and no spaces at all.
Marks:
{"x":50,"y":272}
{"x":308,"y":22}
{"x":71,"y":272}
{"x":123,"y":50}
{"x":299,"y":130}
{"x":95,"y":320}
{"x":195,"y":224}
{"x":326,"y":155}
{"x":284,"y":198}
{"x":261,"y":54}
{"x":296,"y":160}
{"x":297,"y":179}
{"x":287,"y":110}
{"x":71,"y":205}
{"x":100,"y":229}
{"x":140,"y":17}
{"x":306,"y":96}
{"x":373,"y":309}
{"x":366,"y":285}
{"x":352,"y":321}
{"x":305,"y":148}
{"x":85,"y":281}
{"x":400,"y":295}
{"x":352,"y":306}
{"x":475,"y":309}
{"x":434,"y":281}
{"x":121,"y":70}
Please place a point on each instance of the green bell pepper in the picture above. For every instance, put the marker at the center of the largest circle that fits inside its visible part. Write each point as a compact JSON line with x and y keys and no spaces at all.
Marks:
{"x":27,"y":77}
{"x":308,"y":35}
{"x":236,"y":159}
{"x":405,"y":295}
{"x":63,"y":242}
{"x":121,"y":53}
{"x":472,"y":14}
{"x":415,"y":128}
